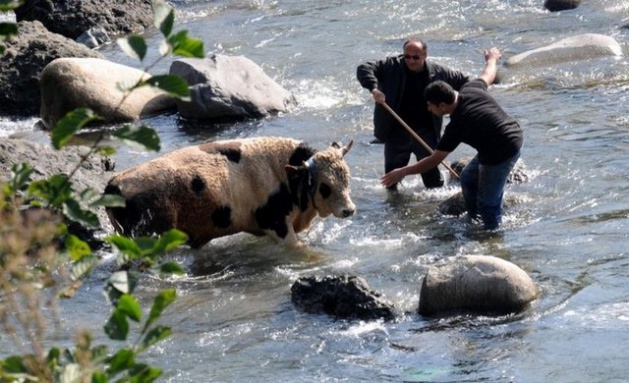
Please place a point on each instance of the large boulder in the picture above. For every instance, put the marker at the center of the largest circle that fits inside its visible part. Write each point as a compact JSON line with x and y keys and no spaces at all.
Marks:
{"x":72,"y":18}
{"x":574,"y":48}
{"x":476,"y":283}
{"x":229,"y":87}
{"x":561,"y":5}
{"x":26,"y":55}
{"x":346,"y":297}
{"x":71,"y":83}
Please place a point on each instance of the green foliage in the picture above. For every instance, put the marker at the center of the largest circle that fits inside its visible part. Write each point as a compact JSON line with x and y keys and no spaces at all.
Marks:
{"x":40,"y":257}
{"x":7,"y":29}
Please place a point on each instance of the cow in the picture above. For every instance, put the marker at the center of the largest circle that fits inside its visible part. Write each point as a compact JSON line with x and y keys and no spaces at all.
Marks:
{"x":271,"y":186}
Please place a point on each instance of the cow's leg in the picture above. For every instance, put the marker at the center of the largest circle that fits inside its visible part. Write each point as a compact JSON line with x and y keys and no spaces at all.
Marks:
{"x":288,"y":237}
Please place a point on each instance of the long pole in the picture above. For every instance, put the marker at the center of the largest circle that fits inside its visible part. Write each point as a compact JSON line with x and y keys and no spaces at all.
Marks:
{"x":416,"y":136}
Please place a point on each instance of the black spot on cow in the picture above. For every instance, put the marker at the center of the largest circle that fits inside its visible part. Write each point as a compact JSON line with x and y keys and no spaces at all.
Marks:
{"x":230,"y":150}
{"x":272,"y":216}
{"x":301,"y":154}
{"x":299,"y":187}
{"x":325,"y":190}
{"x":197,"y":185}
{"x":222,"y":217}
{"x":232,"y":154}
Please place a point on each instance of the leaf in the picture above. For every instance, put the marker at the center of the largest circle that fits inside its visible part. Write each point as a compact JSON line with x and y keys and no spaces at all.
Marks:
{"x":13,"y":365}
{"x":125,"y":245}
{"x":83,"y":266}
{"x":122,"y":360}
{"x":163,"y":18}
{"x":171,"y":268}
{"x":130,"y":307}
{"x":155,"y":336}
{"x":142,"y":135}
{"x":117,"y":327}
{"x":143,"y":373}
{"x":20,"y":176}
{"x":108,"y":200}
{"x":174,"y":85}
{"x":134,"y":46}
{"x":8,"y":29}
{"x":120,"y":281}
{"x":71,"y":123}
{"x":77,"y":248}
{"x":168,"y":241}
{"x":161,"y":302}
{"x":73,"y":210}
{"x":99,"y":377}
{"x":9,"y":5}
{"x":186,"y":46}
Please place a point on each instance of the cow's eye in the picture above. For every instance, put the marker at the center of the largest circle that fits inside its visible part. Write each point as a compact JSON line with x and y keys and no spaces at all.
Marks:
{"x":325,"y":190}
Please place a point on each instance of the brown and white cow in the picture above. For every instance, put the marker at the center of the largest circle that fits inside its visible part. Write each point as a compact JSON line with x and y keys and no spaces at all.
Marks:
{"x":267,"y":185}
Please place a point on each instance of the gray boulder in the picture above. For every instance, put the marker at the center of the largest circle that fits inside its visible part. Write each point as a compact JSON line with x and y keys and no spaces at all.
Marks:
{"x":346,"y":297}
{"x":476,"y":283}
{"x":27,"y":54}
{"x":561,"y":5}
{"x":71,"y":83}
{"x":229,"y":87}
{"x":573,"y":48}
{"x":72,"y":18}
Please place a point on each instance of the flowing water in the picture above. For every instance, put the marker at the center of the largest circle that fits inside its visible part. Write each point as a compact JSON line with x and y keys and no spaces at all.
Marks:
{"x":567,"y":226}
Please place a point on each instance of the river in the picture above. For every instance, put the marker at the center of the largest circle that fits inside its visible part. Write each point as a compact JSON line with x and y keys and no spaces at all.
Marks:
{"x":567,"y":226}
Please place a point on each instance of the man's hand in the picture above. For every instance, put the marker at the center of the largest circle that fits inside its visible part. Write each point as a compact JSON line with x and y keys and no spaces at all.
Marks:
{"x":493,"y":53}
{"x":393,"y":177}
{"x":378,"y":96}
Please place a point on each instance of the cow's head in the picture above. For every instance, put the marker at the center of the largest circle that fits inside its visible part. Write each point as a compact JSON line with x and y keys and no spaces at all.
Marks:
{"x":327,"y":177}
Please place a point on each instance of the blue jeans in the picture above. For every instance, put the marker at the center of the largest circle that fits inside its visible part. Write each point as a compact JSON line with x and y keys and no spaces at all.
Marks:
{"x":483,"y":188}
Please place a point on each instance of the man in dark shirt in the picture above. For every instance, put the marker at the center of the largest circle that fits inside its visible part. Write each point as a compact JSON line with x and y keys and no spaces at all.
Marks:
{"x":400,"y":82}
{"x":476,"y":119}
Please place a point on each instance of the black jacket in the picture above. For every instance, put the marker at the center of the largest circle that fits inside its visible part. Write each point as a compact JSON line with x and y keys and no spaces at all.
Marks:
{"x":389,"y":75}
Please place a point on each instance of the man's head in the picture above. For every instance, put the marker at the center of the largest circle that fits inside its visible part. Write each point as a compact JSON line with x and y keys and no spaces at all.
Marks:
{"x":415,"y":53}
{"x":440,"y":97}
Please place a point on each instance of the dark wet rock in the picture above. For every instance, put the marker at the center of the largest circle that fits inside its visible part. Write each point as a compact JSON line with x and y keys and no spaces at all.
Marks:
{"x":476,"y":283}
{"x":72,"y":18}
{"x":454,"y":205}
{"x":561,"y":5}
{"x":340,"y":296}
{"x":26,"y":56}
{"x":232,"y":87}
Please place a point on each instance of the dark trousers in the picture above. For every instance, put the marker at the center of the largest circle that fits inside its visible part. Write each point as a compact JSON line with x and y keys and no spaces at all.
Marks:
{"x":397,"y":153}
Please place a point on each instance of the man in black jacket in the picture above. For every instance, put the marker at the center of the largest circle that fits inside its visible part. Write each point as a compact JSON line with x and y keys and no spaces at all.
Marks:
{"x":400,"y":81}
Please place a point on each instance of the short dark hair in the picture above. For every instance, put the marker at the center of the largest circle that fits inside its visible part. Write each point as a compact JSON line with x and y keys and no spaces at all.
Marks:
{"x":438,"y":92}
{"x":414,"y":39}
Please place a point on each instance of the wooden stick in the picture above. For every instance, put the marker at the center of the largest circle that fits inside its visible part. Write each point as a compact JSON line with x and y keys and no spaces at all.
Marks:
{"x":417,"y":137}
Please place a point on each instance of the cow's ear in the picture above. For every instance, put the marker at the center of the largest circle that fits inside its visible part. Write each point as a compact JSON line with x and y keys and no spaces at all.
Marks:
{"x":344,"y":149}
{"x":347,"y":147}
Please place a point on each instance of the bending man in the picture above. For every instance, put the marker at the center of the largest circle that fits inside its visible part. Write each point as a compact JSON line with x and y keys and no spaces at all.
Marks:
{"x":400,"y":81}
{"x":476,"y":119}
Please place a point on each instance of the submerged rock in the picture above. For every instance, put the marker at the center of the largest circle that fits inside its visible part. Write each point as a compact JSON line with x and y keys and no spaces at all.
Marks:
{"x":344,"y":296}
